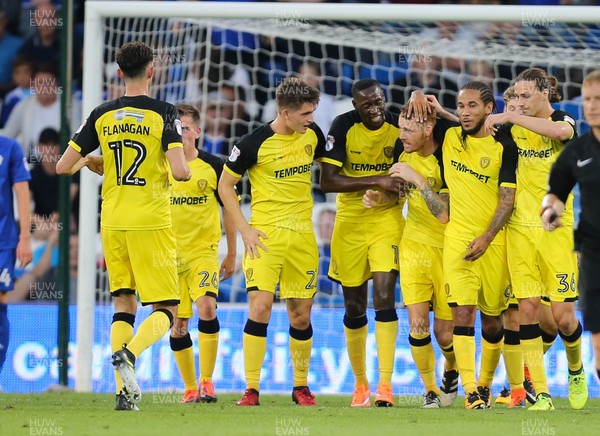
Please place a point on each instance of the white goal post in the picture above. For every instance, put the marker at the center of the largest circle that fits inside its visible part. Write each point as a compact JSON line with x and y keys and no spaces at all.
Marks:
{"x":93,"y":81}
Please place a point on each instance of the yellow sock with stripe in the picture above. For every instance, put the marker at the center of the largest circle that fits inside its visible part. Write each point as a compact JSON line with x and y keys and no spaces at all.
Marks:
{"x":184,"y":358}
{"x":208,"y":345}
{"x":386,"y":331}
{"x":300,"y":348}
{"x":255,"y":348}
{"x":121,"y":332}
{"x":533,"y":355}
{"x":150,"y":331}
{"x":356,"y":343}
{"x":548,"y":339}
{"x":491,"y":350}
{"x":450,"y":358}
{"x":572,"y":344}
{"x":424,"y":356}
{"x":513,"y":359}
{"x":464,"y":350}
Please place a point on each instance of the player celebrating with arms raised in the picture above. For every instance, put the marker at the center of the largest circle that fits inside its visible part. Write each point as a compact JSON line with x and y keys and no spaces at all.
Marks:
{"x":279,"y":239}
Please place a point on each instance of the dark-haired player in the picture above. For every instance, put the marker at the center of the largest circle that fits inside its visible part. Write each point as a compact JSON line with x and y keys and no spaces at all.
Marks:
{"x":140,"y":138}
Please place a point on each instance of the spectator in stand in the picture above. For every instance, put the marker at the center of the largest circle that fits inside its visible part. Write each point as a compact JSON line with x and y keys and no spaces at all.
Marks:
{"x":44,"y":45}
{"x":38,"y":111}
{"x":9,"y":47}
{"x":21,"y":77}
{"x":217,"y":120}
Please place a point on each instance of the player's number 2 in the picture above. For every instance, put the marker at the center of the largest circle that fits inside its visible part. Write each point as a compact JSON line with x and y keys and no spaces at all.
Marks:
{"x":129,"y":177}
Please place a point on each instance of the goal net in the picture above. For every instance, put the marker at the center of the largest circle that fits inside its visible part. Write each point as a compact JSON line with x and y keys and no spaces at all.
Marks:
{"x":227,"y":59}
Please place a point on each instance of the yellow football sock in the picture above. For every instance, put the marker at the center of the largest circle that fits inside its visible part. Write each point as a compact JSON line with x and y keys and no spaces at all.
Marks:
{"x":121,"y":332}
{"x":184,"y":358}
{"x":356,"y":344}
{"x":547,"y":340}
{"x":450,"y":358}
{"x":464,"y":350}
{"x":513,"y":359}
{"x":573,"y":348}
{"x":491,"y":349}
{"x":424,"y":357}
{"x":255,"y":348}
{"x":533,"y":355}
{"x":208,"y":344}
{"x":150,"y":331}
{"x":386,"y":331}
{"x":300,"y":348}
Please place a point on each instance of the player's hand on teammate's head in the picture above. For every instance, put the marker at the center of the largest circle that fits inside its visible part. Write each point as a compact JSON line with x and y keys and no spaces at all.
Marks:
{"x":418,"y":105}
{"x":372,"y":198}
{"x":434,"y":104}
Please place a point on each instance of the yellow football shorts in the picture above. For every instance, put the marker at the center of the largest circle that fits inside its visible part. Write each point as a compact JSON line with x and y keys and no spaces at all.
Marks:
{"x":200,"y":280}
{"x":359,"y":249}
{"x":142,"y":260}
{"x":422,"y":277}
{"x":292,"y":261}
{"x":483,"y":283}
{"x":542,"y":263}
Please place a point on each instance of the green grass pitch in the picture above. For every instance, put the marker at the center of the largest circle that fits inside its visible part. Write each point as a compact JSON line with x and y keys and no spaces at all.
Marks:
{"x":69,"y":413}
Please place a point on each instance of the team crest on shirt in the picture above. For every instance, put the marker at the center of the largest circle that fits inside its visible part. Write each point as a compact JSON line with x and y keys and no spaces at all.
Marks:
{"x":249,"y":274}
{"x":308,"y":149}
{"x":545,"y":139}
{"x":330,"y":142}
{"x":235,"y":152}
{"x":388,"y":151}
{"x":202,"y":183}
{"x":508,"y":292}
{"x":485,"y":162}
{"x":431,"y":181}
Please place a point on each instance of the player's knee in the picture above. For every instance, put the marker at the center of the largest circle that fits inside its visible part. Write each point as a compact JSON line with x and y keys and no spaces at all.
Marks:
{"x":180,"y":327}
{"x":529,"y":309}
{"x":384,"y":299}
{"x":566,"y":322}
{"x":491,"y":325}
{"x":355,"y":308}
{"x":443,"y":334}
{"x":207,"y":308}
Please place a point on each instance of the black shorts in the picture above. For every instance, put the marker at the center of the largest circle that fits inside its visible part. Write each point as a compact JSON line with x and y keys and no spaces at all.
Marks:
{"x":589,"y":289}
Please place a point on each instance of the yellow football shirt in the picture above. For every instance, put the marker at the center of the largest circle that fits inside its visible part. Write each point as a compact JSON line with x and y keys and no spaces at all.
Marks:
{"x":473,"y":172}
{"x":280,"y":173}
{"x":133,"y":133}
{"x":361,"y":152}
{"x":537,"y":154}
{"x":195,"y":210}
{"x":421,"y":225}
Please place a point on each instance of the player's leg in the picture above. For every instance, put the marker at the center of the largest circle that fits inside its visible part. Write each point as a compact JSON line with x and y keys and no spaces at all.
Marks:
{"x":7,"y":283}
{"x":513,"y":358}
{"x":152,"y":255}
{"x":547,"y":323}
{"x":181,"y":341}
{"x":182,"y":346}
{"x":383,"y":240}
{"x":461,"y":287}
{"x":208,"y":344}
{"x":560,"y":269}
{"x":349,"y":267}
{"x":298,"y":286}
{"x":527,"y":288}
{"x":492,"y":335}
{"x":422,"y":352}
{"x":262,"y":275}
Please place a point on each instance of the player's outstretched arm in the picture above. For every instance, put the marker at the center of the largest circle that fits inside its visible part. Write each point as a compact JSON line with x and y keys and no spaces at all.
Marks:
{"x":503,"y":212}
{"x":24,"y":253}
{"x":333,"y":181}
{"x":71,"y":162}
{"x":561,"y":131}
{"x":229,"y":197}
{"x":228,"y":264}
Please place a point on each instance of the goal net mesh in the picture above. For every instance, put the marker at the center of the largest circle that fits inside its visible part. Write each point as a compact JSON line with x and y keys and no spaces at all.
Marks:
{"x":229,"y":69}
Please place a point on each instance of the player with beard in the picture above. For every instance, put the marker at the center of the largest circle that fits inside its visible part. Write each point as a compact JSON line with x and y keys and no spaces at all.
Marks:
{"x":480,"y":174}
